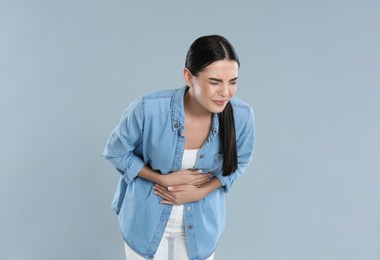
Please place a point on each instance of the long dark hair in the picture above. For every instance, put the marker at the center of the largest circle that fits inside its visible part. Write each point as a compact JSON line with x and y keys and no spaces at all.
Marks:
{"x":202,"y":52}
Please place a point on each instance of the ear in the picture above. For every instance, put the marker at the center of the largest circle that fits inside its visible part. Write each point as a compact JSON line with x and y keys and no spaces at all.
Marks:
{"x":188,"y":77}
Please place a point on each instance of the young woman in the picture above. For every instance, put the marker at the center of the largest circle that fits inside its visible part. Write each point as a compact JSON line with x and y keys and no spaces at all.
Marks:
{"x":178,"y":152}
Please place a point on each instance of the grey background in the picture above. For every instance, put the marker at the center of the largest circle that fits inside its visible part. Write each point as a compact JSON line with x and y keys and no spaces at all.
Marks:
{"x":68,"y":69}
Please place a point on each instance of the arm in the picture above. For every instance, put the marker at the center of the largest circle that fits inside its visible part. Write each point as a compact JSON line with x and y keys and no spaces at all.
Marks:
{"x":245,"y":143}
{"x":182,"y":177}
{"x":124,"y":138}
{"x":120,"y":152}
{"x":182,"y":194}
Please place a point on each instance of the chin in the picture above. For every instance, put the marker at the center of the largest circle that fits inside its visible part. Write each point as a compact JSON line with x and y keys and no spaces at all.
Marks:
{"x":217,"y":110}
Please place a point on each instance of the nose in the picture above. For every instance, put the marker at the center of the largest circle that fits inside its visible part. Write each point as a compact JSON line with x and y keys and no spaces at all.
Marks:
{"x":224,"y":90}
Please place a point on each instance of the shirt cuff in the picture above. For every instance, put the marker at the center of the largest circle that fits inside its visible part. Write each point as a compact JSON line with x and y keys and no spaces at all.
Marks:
{"x":224,"y":180}
{"x":133,"y":169}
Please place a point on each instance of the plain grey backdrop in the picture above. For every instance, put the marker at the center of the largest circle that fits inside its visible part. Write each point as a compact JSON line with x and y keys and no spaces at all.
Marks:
{"x":310,"y":69}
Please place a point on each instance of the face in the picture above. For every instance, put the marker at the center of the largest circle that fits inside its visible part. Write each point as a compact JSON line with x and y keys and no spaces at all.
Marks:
{"x":214,"y":86}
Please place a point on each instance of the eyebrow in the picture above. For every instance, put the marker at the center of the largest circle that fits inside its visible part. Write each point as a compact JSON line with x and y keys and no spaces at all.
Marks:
{"x":219,"y":80}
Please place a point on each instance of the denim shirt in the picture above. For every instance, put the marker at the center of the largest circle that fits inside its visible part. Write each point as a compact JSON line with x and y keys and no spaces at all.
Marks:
{"x":151,"y":132}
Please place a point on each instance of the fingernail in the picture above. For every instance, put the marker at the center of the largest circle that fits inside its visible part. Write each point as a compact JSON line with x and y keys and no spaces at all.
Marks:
{"x":199,"y":171}
{"x":170,"y":188}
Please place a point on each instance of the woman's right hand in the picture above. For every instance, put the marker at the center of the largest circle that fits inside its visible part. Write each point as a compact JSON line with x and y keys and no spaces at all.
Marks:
{"x":186,"y":177}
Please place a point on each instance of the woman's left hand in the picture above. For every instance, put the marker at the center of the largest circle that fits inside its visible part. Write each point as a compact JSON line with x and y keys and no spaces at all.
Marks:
{"x":178,"y":195}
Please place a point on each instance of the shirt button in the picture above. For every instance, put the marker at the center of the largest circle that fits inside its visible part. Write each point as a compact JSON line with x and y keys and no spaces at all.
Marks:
{"x":202,"y":156}
{"x":190,"y":227}
{"x":188,"y":208}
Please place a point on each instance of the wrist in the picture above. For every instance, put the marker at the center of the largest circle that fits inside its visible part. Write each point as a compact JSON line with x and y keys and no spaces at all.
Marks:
{"x":210,"y":186}
{"x":153,"y":176}
{"x":204,"y":190}
{"x":162,"y":180}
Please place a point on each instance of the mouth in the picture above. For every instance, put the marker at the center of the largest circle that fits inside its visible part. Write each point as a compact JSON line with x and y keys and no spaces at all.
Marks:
{"x":220,"y":102}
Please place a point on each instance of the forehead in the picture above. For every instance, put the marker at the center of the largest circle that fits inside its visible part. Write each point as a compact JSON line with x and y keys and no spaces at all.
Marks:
{"x":221,"y":69}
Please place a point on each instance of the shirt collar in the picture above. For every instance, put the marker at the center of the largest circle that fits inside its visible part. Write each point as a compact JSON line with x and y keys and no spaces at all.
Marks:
{"x":178,"y":112}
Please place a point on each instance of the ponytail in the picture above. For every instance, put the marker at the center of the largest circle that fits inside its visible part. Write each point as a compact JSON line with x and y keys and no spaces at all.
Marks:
{"x":228,"y":139}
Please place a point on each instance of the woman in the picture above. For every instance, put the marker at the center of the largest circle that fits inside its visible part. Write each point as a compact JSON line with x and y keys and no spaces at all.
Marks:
{"x":178,"y":152}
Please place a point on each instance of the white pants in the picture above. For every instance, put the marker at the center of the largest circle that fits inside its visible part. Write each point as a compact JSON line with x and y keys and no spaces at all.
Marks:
{"x":173,"y":243}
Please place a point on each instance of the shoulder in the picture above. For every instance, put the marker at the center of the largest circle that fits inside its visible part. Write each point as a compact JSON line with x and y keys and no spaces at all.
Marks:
{"x":241,"y":106}
{"x":153,"y":98}
{"x":243,"y":116}
{"x":158,"y":102}
{"x":159,"y":95}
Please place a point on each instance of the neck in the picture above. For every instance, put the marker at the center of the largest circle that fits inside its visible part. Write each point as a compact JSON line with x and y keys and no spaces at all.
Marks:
{"x":193,"y":108}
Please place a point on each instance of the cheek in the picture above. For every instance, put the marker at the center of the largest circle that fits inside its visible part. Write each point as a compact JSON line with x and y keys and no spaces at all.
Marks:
{"x":198,"y":93}
{"x":203,"y":92}
{"x":209,"y":91}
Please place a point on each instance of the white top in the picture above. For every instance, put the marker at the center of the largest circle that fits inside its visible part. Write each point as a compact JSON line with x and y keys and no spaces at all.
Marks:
{"x":189,"y":158}
{"x":188,"y":161}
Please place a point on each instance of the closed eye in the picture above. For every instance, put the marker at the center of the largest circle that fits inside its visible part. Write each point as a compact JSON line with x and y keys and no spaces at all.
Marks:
{"x":214,"y":83}
{"x":233,"y":81}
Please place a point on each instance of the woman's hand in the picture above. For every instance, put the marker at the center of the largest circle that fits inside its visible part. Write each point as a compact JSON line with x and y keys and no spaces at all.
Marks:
{"x":185,"y":177}
{"x":181,"y":194}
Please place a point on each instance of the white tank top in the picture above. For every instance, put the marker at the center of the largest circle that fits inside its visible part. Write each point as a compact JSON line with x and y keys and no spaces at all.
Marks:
{"x":189,"y":158}
{"x":188,"y":161}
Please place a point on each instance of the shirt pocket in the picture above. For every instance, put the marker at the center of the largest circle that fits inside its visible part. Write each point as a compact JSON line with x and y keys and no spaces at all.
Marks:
{"x":217,"y":163}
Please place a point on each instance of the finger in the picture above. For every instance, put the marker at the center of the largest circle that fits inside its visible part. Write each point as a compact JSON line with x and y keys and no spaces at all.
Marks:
{"x":166,"y":202}
{"x":159,"y":186}
{"x":205,"y":175}
{"x":164,"y":189}
{"x":159,"y":189}
{"x":203,"y":178}
{"x":174,"y":190}
{"x":165,"y":196}
{"x":195,"y":171}
{"x":200,"y":183}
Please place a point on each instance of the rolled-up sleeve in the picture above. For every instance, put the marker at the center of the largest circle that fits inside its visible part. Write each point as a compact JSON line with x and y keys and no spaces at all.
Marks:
{"x":121,"y":144}
{"x":245,"y":145}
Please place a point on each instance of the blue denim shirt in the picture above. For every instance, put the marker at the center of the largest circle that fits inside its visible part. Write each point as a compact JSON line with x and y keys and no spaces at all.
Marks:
{"x":151,"y":133}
